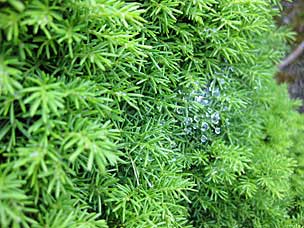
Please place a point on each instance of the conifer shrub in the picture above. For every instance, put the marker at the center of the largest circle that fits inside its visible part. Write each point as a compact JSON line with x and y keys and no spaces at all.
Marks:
{"x":151,"y":113}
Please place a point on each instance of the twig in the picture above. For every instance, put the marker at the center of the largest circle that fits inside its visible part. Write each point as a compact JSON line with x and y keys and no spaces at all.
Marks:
{"x":292,"y":57}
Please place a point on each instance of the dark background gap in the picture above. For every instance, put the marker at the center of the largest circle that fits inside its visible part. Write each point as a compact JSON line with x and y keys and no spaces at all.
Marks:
{"x":293,"y":16}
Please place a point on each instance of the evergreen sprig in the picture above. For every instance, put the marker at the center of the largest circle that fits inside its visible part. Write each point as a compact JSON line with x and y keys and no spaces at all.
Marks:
{"x":150,"y":113}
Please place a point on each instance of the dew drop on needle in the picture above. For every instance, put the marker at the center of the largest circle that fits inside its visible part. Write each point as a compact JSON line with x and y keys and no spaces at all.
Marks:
{"x":217,"y":130}
{"x":205,"y":126}
{"x":204,"y":139}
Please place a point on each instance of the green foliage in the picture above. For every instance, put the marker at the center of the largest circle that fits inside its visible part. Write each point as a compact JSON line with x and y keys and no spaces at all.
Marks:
{"x":151,"y":113}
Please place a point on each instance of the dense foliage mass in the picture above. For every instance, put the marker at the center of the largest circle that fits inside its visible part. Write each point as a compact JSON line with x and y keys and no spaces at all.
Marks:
{"x":151,"y":113}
